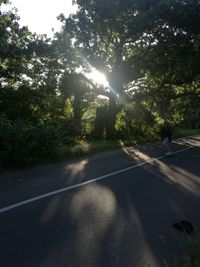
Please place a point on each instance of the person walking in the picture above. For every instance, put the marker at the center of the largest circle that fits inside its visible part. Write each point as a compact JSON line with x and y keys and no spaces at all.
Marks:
{"x":166,"y":137}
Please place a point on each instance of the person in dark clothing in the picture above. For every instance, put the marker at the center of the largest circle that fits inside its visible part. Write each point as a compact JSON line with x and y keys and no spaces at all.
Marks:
{"x":165,"y":132}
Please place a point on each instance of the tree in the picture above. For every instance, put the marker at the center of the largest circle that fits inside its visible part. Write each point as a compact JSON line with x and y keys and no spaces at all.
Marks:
{"x":101,"y":37}
{"x":133,"y":41}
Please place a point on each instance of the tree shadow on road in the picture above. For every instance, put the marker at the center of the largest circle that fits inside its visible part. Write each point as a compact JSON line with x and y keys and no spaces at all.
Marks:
{"x":122,"y":221}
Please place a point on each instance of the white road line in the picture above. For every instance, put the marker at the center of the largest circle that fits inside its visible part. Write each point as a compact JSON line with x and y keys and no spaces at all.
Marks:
{"x":30,"y":200}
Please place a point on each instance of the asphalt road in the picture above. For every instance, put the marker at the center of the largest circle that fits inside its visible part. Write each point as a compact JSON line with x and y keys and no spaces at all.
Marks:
{"x":112,"y":209}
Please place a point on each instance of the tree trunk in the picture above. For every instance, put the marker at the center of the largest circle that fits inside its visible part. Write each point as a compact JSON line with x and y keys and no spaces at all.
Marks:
{"x":116,"y":83}
{"x":197,"y":117}
{"x":77,"y":113}
{"x":100,"y":122}
{"x":111,"y":117}
{"x":162,"y":108}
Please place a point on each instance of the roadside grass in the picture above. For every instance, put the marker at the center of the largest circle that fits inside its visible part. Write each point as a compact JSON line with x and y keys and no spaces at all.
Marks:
{"x":84,"y":147}
{"x":88,"y":147}
{"x":192,"y":257}
{"x":180,"y":132}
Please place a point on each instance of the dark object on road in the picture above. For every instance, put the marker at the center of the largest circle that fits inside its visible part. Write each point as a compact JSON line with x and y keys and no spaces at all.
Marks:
{"x":184,"y":226}
{"x":165,"y":131}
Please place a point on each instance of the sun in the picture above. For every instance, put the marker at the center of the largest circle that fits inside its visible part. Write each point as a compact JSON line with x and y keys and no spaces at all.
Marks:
{"x":98,"y":77}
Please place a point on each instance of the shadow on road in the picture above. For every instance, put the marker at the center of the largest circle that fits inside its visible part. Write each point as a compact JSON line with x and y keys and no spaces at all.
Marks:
{"x":123,"y":221}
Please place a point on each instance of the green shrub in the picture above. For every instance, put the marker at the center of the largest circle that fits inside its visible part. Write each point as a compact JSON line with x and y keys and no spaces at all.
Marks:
{"x":22,"y":143}
{"x":136,"y":119}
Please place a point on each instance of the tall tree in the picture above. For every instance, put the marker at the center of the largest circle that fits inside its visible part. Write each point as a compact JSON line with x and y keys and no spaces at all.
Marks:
{"x":101,"y":36}
{"x":133,"y":41}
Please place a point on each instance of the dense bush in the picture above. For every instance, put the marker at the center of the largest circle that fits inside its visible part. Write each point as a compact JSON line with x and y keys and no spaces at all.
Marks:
{"x":22,"y":143}
{"x":136,"y":119}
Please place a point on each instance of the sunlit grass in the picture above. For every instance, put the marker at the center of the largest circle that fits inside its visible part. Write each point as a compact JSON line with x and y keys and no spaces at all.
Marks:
{"x":83,"y":147}
{"x":88,"y":147}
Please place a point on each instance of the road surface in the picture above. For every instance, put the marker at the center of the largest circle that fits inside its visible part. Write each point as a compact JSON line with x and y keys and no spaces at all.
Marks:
{"x":113,"y":209}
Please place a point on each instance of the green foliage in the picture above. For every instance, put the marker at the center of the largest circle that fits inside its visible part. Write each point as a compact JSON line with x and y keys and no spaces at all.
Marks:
{"x":3,"y":1}
{"x":136,"y":118}
{"x":149,"y":51}
{"x":193,"y":245}
{"x":22,"y":143}
{"x":68,"y":109}
{"x":30,"y":105}
{"x":100,"y":122}
{"x":88,"y":121}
